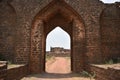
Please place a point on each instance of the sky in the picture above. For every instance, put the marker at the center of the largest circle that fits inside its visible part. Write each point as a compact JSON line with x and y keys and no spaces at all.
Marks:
{"x":59,"y":38}
{"x":109,"y":1}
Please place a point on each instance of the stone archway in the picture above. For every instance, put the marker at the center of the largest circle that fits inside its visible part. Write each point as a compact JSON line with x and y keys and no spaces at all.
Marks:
{"x":57,"y":13}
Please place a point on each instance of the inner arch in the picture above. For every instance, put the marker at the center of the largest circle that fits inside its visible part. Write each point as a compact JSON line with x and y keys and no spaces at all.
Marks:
{"x":59,"y":52}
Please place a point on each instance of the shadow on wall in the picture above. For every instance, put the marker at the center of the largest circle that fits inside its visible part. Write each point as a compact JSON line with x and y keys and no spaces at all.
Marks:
{"x":2,"y":57}
{"x":1,"y":0}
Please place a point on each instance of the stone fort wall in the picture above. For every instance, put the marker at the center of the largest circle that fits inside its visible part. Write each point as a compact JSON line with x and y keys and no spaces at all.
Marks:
{"x":102,"y":28}
{"x":58,"y":52}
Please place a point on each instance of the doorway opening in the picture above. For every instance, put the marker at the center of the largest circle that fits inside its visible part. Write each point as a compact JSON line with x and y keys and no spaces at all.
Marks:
{"x":57,"y":13}
{"x":58,"y":52}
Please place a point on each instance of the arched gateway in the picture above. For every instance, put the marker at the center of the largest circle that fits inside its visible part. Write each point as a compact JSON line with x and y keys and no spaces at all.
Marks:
{"x":57,"y":13}
{"x":92,"y":25}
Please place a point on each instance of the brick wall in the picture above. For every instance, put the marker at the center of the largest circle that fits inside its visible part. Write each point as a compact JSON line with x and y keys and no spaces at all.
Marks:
{"x":17,"y":19}
{"x":106,"y":74}
{"x":13,"y":73}
{"x":7,"y":31}
{"x":26,"y":11}
{"x":110,"y":32}
{"x":17,"y":73}
{"x":3,"y":70}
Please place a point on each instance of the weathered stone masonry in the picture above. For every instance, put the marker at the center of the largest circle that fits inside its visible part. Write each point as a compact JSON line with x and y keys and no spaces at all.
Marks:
{"x":25,"y":24}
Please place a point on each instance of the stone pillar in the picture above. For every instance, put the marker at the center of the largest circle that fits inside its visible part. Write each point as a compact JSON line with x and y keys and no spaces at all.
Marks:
{"x":36,"y":63}
{"x":78,"y":46}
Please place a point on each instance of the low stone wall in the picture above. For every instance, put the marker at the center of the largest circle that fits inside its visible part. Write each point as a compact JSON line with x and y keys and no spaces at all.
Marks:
{"x":17,"y":73}
{"x":105,"y":73}
{"x":3,"y":70}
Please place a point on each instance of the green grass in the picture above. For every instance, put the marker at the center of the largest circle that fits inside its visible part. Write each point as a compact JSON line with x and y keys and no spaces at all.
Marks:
{"x":87,"y":74}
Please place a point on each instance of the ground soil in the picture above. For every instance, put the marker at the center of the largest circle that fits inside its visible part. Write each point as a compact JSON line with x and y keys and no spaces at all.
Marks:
{"x":57,"y":68}
{"x":58,"y":65}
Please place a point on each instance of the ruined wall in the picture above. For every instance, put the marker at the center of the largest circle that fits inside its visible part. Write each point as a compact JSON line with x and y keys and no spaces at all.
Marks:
{"x":88,"y":10}
{"x":17,"y":73}
{"x":7,"y":30}
{"x":106,"y":74}
{"x":26,"y":11}
{"x":3,"y":70}
{"x":110,"y":32}
{"x":16,"y":18}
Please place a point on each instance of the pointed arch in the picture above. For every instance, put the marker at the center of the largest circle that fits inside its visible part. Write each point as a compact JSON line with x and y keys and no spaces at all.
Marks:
{"x":57,"y":13}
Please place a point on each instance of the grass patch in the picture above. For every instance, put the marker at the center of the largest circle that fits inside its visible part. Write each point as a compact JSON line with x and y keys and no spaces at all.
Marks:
{"x":113,"y":61}
{"x":87,"y":74}
{"x":109,"y":62}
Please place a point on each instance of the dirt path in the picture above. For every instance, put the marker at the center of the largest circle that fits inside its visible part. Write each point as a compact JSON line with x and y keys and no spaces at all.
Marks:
{"x":59,"y":65}
{"x":58,"y":69}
